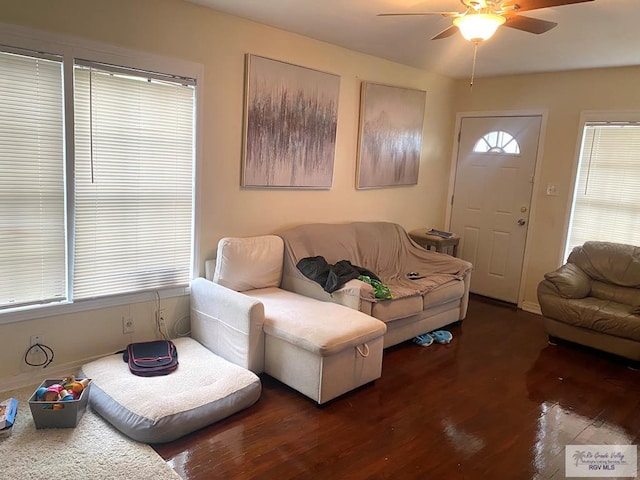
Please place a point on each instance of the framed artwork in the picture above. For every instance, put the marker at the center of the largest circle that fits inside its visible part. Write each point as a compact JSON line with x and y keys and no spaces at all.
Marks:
{"x":390,"y":143}
{"x":290,"y":122}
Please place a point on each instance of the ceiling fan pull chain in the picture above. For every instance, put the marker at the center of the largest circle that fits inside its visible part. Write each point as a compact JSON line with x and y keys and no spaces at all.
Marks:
{"x":473,"y":68}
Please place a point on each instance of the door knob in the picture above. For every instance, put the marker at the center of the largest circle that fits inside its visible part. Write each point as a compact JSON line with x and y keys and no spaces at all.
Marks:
{"x":522,"y":221}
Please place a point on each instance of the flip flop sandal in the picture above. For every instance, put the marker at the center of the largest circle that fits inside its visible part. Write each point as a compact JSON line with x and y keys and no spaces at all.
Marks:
{"x":423,"y":340}
{"x":442,"y":336}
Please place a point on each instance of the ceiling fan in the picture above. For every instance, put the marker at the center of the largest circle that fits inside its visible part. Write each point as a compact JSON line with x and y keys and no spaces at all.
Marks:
{"x":482,"y":18}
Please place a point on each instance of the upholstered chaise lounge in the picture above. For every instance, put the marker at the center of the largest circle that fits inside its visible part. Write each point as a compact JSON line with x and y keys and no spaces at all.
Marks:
{"x":326,"y":344}
{"x":321,"y":349}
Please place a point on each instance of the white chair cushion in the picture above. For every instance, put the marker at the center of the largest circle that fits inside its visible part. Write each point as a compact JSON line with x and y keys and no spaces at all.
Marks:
{"x":323,"y":328}
{"x":249,"y":263}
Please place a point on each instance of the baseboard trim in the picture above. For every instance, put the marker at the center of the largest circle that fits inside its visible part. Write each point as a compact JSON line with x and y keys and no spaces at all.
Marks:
{"x":531,"y":307}
{"x":36,"y":376}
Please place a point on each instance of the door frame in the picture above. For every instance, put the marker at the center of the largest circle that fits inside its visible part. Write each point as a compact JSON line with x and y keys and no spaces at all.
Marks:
{"x":535,"y":190}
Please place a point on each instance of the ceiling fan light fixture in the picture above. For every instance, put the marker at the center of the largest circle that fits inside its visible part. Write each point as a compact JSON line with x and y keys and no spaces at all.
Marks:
{"x":477,"y":27}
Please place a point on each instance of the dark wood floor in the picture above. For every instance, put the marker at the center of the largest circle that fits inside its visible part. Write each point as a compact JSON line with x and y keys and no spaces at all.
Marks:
{"x":496,"y":403}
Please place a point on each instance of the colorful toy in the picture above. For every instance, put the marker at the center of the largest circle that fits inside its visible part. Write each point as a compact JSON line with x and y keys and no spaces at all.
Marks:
{"x":52,"y":394}
{"x":40,"y":394}
{"x":68,"y":390}
{"x":74,"y":387}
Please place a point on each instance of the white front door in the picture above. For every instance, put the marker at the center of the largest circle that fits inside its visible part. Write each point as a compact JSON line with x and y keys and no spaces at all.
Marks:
{"x":492,"y":196}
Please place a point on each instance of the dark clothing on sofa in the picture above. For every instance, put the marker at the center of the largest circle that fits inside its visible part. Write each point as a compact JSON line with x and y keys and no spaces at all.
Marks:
{"x":331,"y":277}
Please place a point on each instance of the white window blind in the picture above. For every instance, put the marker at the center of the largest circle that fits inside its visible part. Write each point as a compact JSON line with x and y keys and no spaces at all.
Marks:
{"x":32,"y":203}
{"x":607,"y":196}
{"x":134,"y":141}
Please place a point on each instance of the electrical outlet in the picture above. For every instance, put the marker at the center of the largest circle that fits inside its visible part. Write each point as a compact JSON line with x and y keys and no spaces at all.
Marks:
{"x":127,"y":325}
{"x":161,"y":318}
{"x":34,"y":339}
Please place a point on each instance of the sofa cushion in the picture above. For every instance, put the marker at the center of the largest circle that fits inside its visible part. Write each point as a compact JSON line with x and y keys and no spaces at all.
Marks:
{"x":609,"y":262}
{"x":446,"y":293}
{"x":387,"y":310}
{"x":249,"y":263}
{"x":615,"y":293}
{"x":322,"y":328}
{"x":570,"y":281}
{"x":591,"y":313}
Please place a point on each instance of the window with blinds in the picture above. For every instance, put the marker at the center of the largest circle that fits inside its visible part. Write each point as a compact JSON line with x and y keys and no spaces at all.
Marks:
{"x":32,"y":193}
{"x":606,"y":204}
{"x":134,"y":142}
{"x":103,"y":207}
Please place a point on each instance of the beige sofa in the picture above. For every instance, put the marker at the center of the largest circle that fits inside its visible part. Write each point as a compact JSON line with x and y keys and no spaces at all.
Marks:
{"x":321,"y":349}
{"x":418,"y":306}
{"x":594,"y":299}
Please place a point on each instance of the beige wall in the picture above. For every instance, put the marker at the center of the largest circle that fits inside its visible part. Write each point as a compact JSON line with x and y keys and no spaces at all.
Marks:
{"x":219,"y":42}
{"x":564,"y":96}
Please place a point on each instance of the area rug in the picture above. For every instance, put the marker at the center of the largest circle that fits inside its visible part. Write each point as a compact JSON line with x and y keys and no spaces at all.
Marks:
{"x":92,"y":450}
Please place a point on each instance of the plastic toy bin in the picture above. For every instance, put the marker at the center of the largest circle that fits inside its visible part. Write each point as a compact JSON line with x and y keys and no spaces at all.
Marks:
{"x":59,"y":414}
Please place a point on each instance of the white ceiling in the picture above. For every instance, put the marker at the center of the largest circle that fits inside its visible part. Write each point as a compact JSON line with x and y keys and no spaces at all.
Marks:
{"x":602,"y":33}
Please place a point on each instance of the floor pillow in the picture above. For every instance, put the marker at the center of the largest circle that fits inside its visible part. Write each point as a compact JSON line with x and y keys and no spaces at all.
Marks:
{"x":203,"y":389}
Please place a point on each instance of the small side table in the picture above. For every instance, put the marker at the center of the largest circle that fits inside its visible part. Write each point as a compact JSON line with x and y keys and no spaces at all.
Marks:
{"x":442,"y":245}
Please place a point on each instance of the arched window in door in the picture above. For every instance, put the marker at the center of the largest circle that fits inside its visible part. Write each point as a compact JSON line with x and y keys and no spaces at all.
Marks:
{"x":497,"y":142}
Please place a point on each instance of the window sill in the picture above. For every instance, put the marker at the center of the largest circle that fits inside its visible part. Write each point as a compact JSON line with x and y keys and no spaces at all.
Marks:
{"x":65,"y":308}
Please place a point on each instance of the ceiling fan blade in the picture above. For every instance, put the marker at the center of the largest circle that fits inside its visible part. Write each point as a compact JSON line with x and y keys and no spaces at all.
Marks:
{"x":447,"y":32}
{"x":525,"y":5}
{"x":528,"y":24}
{"x":418,"y":14}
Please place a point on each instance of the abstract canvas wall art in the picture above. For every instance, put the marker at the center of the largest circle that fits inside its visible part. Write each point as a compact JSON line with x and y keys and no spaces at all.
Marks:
{"x":291,"y":116}
{"x":390,"y":144}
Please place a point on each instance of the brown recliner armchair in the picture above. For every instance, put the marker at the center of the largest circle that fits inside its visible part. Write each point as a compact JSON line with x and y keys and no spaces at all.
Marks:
{"x":594,"y":299}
